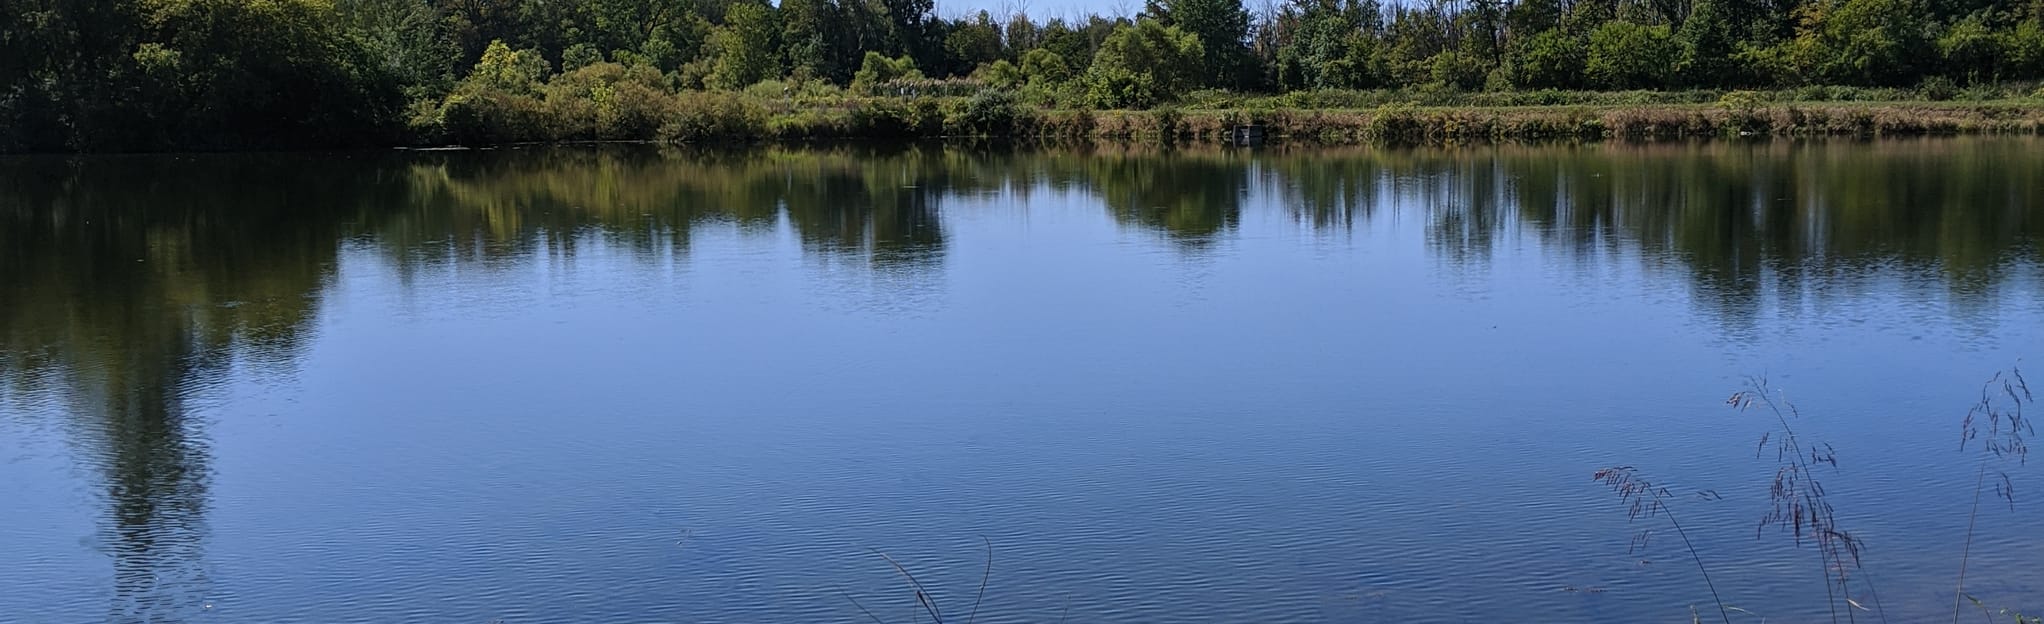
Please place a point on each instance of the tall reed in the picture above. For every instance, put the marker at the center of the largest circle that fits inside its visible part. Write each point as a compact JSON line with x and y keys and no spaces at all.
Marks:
{"x":1799,"y":505}
{"x":1647,"y":500}
{"x":1998,"y":423}
{"x":1996,"y":427}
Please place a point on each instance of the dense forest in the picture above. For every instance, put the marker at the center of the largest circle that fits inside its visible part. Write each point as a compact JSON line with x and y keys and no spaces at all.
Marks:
{"x":209,"y":74}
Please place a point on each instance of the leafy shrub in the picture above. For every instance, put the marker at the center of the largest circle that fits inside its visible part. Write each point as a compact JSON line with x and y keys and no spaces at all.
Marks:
{"x":1115,"y":87}
{"x":607,"y":101}
{"x":1459,"y":70}
{"x":708,"y":116}
{"x":992,"y":112}
{"x":1167,"y":121}
{"x":490,"y":117}
{"x":877,"y":69}
{"x":1043,"y":68}
{"x":1937,"y":89}
{"x":999,"y":74}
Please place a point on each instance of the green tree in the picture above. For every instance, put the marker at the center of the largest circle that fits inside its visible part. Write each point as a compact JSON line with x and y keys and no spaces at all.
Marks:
{"x":747,"y":47}
{"x":2023,"y":47}
{"x":1222,"y":30}
{"x":972,"y":43}
{"x":1709,"y":41}
{"x":1971,"y":48}
{"x":1328,"y":45}
{"x":402,"y":37}
{"x":1143,"y":65}
{"x":1625,"y":55}
{"x":1044,"y":68}
{"x":271,"y":72}
{"x":1548,"y":59}
{"x":1869,"y":42}
{"x":518,"y":72}
{"x":806,"y":39}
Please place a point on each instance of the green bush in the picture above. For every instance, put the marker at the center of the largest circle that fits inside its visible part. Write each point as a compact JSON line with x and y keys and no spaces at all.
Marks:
{"x":999,"y":74}
{"x":1459,"y":70}
{"x":607,"y":101}
{"x":713,"y":116}
{"x":992,"y":112}
{"x":490,"y":117}
{"x":1167,"y":122}
{"x":881,"y":118}
{"x":1115,"y":87}
{"x":877,"y":70}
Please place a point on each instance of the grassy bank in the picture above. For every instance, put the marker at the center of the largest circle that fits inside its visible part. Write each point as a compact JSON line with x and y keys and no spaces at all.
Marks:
{"x":605,"y":108}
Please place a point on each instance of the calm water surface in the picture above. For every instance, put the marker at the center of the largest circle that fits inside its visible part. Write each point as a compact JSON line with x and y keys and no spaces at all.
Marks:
{"x":1300,"y":386}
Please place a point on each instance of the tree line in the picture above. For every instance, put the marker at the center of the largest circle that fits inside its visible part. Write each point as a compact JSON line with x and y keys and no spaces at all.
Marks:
{"x":165,"y":74}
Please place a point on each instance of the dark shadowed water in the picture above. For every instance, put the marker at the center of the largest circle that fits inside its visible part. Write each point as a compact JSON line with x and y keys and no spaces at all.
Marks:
{"x":630,"y":385}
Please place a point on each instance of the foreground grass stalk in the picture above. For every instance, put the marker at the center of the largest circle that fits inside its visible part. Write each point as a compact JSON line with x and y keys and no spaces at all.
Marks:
{"x":1648,"y":500}
{"x":1998,"y":422}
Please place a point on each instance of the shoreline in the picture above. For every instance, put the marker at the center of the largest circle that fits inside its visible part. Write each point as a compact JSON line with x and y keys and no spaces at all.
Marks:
{"x":741,"y":121}
{"x":1459,"y":124}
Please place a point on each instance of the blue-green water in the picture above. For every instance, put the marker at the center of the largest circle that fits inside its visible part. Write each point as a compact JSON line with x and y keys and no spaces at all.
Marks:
{"x":628,"y":385}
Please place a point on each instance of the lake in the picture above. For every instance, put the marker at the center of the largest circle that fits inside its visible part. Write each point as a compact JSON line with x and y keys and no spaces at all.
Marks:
{"x":626,"y":384}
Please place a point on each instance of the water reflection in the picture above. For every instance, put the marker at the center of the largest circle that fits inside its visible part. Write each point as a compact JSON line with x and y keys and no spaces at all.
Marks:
{"x":133,"y":285}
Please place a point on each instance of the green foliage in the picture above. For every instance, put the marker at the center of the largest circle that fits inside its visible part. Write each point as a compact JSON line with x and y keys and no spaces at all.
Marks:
{"x":1707,"y":44}
{"x":1220,"y":27}
{"x":1000,"y":74}
{"x":972,"y":44}
{"x":895,"y":118}
{"x":1971,"y":48}
{"x":1876,"y":42}
{"x":1044,"y":68}
{"x":713,"y":116}
{"x":878,"y":70}
{"x":991,"y":112}
{"x":1624,"y":55}
{"x":1143,"y":65}
{"x":746,"y":48}
{"x":1549,"y":59}
{"x":2023,"y":48}
{"x":607,"y":101}
{"x":402,"y":39}
{"x":516,"y":72}
{"x":579,"y":56}
{"x":1329,"y":47}
{"x":1459,"y":70}
{"x":164,"y":74}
